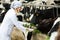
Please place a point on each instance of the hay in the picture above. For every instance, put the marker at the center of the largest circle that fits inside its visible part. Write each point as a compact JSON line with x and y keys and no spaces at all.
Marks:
{"x":17,"y":34}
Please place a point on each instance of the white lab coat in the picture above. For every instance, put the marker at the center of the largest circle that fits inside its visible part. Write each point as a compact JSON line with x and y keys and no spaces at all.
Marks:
{"x":8,"y":23}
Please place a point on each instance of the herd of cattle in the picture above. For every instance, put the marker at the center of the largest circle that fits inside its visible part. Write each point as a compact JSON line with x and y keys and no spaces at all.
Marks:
{"x":44,"y":18}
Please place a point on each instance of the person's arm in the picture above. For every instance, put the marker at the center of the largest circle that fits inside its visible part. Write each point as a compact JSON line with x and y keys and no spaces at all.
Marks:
{"x":17,"y":23}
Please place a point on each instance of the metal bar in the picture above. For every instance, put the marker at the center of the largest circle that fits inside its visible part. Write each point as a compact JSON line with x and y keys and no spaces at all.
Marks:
{"x":42,"y":5}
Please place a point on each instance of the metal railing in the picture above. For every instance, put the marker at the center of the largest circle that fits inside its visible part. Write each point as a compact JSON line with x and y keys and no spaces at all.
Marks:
{"x":44,"y":6}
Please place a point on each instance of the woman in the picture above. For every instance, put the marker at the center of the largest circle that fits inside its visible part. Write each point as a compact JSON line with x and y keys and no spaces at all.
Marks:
{"x":10,"y":20}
